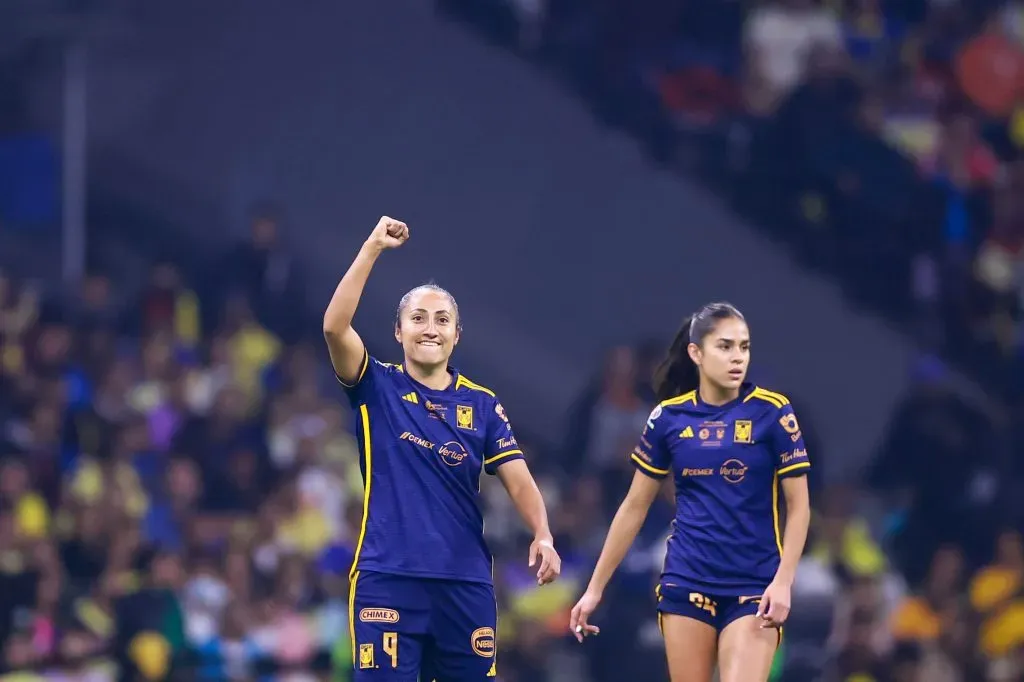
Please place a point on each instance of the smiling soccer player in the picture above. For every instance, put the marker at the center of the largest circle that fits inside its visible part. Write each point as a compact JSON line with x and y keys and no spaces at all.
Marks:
{"x":422,"y":599}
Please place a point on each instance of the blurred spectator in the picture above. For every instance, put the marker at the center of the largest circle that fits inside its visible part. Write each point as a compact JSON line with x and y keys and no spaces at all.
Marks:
{"x":168,"y":307}
{"x":780,"y":36}
{"x":936,"y":431}
{"x":265,"y":273}
{"x":997,"y":595}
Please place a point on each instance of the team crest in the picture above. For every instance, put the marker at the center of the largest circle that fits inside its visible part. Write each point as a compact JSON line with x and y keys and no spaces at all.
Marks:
{"x":365,"y":656}
{"x":464,"y":417}
{"x":743,"y":431}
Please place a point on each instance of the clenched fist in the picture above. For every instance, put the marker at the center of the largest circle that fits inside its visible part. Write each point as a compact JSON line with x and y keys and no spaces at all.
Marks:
{"x":389,"y":233}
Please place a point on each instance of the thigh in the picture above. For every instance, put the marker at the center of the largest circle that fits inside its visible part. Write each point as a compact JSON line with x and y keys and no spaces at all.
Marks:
{"x":388,"y":621}
{"x":746,"y":650}
{"x":463,"y":632}
{"x":688,"y":623}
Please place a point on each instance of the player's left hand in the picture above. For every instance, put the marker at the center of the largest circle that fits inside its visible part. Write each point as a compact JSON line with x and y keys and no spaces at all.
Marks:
{"x":774,"y":607}
{"x":544,"y":556}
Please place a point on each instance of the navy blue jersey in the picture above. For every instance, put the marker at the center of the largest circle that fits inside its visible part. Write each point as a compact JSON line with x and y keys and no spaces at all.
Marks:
{"x":423,"y":452}
{"x":727,"y":461}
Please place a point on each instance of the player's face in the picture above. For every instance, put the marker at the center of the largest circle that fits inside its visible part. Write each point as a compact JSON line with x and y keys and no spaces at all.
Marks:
{"x":724,"y":355}
{"x":428,"y":329}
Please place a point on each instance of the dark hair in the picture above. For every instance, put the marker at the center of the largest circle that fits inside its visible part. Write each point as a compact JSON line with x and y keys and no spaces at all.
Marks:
{"x":429,"y":286}
{"x":677,"y":374}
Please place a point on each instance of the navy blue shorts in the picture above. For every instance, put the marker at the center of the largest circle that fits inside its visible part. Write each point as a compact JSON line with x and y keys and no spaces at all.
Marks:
{"x":716,"y":611}
{"x":409,"y":629}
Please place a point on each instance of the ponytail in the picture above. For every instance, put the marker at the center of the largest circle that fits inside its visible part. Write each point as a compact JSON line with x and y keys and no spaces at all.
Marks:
{"x":677,"y":374}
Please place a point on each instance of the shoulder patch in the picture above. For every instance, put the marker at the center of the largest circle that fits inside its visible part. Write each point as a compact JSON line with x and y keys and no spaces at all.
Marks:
{"x":655,"y":413}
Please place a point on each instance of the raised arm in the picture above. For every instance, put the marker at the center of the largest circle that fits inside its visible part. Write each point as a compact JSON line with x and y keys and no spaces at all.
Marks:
{"x":346,"y":348}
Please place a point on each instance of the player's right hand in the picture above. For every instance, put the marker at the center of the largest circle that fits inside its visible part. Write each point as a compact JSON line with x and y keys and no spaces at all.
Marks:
{"x":389,"y":233}
{"x":578,"y":619}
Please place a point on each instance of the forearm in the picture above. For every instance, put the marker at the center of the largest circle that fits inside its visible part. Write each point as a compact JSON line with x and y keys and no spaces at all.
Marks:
{"x":530,"y":504}
{"x":623,"y":531}
{"x":794,"y":537}
{"x":342,"y":308}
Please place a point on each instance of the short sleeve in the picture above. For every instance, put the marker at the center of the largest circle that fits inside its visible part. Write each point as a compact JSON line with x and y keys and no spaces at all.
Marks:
{"x":501,"y":446}
{"x":369,"y":374}
{"x":788,"y":443}
{"x":650,"y":456}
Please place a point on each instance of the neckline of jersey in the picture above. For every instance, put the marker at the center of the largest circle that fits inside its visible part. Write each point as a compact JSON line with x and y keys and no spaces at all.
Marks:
{"x":746,"y":388}
{"x":423,"y":388}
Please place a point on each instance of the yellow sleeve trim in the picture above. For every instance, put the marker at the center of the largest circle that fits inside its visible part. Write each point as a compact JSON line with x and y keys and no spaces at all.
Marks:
{"x":362,"y":371}
{"x":647,"y":467}
{"x":776,"y":399}
{"x":462,"y":381}
{"x":503,"y":455}
{"x":793,"y":467}
{"x":690,"y":397}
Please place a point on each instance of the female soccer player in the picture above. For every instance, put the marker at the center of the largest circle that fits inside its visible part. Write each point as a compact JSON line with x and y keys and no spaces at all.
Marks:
{"x":729,"y":446}
{"x":421,"y":602}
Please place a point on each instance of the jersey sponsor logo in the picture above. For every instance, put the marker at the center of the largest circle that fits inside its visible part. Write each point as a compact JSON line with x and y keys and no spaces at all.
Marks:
{"x":743,"y":431}
{"x":711,"y":434}
{"x":410,"y":398}
{"x":366,"y":656}
{"x":464,"y":417}
{"x":655,"y":413}
{"x":733,"y":470}
{"x":378,"y":615}
{"x":697,"y":472}
{"x":507,"y":443}
{"x":493,"y":672}
{"x":482,"y":641}
{"x":639,"y":452}
{"x":787,"y":457}
{"x":416,"y":440}
{"x":686,"y":433}
{"x":436,"y":410}
{"x":452,"y":453}
{"x":791,"y":426}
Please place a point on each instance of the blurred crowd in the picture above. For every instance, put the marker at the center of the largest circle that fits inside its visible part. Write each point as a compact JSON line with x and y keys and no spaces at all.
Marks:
{"x":175,"y":494}
{"x":880,"y":138}
{"x":179,"y":493}
{"x":179,"y":482}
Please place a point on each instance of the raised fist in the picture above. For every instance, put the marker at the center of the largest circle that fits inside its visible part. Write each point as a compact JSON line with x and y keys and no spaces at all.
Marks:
{"x":389,"y":233}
